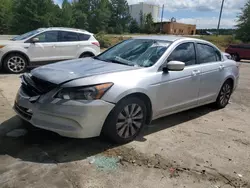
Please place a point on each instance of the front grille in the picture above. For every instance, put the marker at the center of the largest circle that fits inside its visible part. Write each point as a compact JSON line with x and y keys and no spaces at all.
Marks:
{"x":34,"y":86}
{"x":23,"y":111}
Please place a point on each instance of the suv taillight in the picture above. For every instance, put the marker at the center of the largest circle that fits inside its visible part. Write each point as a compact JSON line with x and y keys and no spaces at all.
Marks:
{"x":96,"y":43}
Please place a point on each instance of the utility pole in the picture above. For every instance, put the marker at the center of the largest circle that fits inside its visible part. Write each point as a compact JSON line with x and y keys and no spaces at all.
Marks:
{"x":222,"y":4}
{"x":161,"y":27}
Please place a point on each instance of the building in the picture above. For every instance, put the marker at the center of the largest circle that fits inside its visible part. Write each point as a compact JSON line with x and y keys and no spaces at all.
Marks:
{"x":175,"y":28}
{"x":136,"y":10}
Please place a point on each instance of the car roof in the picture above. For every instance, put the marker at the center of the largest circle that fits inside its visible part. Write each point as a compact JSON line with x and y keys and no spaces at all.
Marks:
{"x":170,"y":38}
{"x":68,"y":29}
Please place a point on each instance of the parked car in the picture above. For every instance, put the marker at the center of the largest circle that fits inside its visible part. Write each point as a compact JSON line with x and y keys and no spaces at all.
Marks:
{"x":46,"y":45}
{"x":239,"y":51}
{"x":118,"y":92}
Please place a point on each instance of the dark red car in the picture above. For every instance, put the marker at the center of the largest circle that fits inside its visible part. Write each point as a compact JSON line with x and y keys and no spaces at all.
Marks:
{"x":239,"y":51}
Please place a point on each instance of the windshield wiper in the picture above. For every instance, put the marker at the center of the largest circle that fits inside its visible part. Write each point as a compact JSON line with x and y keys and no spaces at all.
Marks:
{"x":96,"y":57}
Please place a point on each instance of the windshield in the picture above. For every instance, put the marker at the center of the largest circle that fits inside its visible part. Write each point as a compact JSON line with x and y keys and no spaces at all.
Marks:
{"x":136,"y":52}
{"x":27,"y":35}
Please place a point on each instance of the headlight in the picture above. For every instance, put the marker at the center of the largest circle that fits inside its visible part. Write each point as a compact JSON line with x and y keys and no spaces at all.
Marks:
{"x":84,"y":93}
{"x":1,"y":46}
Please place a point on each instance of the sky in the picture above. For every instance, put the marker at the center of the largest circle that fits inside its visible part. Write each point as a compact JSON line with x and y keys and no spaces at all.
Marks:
{"x":203,"y":13}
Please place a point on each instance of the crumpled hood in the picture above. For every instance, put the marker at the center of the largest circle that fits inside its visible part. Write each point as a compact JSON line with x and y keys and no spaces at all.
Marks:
{"x":78,"y":68}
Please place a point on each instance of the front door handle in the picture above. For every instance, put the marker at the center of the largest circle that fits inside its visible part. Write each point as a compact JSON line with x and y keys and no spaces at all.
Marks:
{"x":195,"y":72}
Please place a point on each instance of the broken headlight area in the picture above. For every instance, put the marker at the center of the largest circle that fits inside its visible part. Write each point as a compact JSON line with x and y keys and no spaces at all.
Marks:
{"x":84,"y":93}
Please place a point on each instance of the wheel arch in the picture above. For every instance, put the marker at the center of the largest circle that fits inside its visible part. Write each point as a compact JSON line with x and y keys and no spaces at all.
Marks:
{"x":17,"y":52}
{"x":145,"y":98}
{"x":87,"y":52}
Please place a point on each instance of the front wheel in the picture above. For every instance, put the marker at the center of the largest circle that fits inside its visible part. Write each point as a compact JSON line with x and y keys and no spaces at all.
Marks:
{"x":224,"y":95}
{"x":125,"y":121}
{"x":15,"y":63}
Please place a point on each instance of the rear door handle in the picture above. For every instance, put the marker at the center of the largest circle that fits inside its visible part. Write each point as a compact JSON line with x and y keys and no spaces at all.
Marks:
{"x":195,"y":72}
{"x":221,"y":67}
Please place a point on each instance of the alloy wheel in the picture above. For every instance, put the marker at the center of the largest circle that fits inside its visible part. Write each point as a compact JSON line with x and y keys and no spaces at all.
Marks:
{"x":129,"y":120}
{"x":16,"y":64}
{"x":225,"y":94}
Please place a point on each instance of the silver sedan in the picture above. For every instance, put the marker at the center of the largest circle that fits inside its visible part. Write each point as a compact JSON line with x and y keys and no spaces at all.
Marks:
{"x":118,"y":92}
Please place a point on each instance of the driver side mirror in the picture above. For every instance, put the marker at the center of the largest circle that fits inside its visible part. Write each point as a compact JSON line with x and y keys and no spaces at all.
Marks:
{"x":34,"y":40}
{"x":174,"y":66}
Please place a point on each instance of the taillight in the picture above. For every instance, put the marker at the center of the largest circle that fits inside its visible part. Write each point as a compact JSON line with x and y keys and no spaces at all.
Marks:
{"x":96,"y":43}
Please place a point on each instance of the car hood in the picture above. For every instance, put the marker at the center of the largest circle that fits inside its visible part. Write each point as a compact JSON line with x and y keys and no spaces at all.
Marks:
{"x":79,"y":68}
{"x":6,"y":42}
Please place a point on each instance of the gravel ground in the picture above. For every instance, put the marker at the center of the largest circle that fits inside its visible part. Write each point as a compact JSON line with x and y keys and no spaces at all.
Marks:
{"x":196,"y":148}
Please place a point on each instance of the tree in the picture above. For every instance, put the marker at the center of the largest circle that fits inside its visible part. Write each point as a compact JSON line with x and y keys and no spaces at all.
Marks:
{"x":100,"y":15}
{"x":32,"y":14}
{"x":243,"y":26}
{"x":149,"y":24}
{"x":120,"y":16}
{"x":80,"y":14}
{"x":134,"y":27}
{"x":5,"y":16}
{"x":66,"y":14}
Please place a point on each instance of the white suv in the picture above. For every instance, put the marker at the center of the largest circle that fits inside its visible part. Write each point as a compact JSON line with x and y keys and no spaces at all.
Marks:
{"x":46,"y":45}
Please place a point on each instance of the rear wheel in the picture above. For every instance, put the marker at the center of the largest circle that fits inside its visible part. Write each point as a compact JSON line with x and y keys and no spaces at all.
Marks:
{"x":224,"y":95}
{"x":15,"y":63}
{"x":235,"y":57}
{"x":125,"y":121}
{"x":86,"y":55}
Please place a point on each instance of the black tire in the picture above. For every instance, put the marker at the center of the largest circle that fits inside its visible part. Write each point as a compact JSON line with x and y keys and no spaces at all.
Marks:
{"x":15,"y":63}
{"x":235,"y":57}
{"x":110,"y":129}
{"x":224,"y":95}
{"x":86,"y":55}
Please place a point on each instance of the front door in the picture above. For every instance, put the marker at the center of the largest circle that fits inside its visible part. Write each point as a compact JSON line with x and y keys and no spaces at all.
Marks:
{"x":178,"y":90}
{"x":45,"y":49}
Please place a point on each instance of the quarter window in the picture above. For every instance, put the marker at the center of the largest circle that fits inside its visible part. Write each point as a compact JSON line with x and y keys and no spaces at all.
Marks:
{"x":185,"y":53}
{"x":208,"y":54}
{"x":48,"y":36}
{"x":84,"y":37}
{"x":68,"y":36}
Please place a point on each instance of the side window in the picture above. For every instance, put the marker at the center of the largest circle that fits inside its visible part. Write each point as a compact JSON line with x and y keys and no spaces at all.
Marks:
{"x":208,"y":54}
{"x":48,"y":36}
{"x":185,"y":53}
{"x":83,"y":37}
{"x":68,"y":36}
{"x":218,"y":55}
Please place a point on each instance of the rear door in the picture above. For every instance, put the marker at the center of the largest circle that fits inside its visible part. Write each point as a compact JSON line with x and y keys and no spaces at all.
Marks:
{"x":68,"y":44}
{"x":212,"y":72}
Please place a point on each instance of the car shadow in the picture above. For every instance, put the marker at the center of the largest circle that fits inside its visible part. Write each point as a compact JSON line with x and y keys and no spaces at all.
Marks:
{"x":43,"y":146}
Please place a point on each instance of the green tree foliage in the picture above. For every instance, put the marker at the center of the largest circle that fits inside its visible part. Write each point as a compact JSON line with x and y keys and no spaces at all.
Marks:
{"x":134,"y":27}
{"x":149,"y":24}
{"x":32,"y":14}
{"x":243,"y":26}
{"x":5,"y":16}
{"x":120,"y":16}
{"x":100,"y":15}
{"x":112,"y":16}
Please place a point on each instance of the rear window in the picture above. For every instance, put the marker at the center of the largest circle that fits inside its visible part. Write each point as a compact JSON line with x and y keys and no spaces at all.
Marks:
{"x":66,"y":36}
{"x":83,"y":37}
